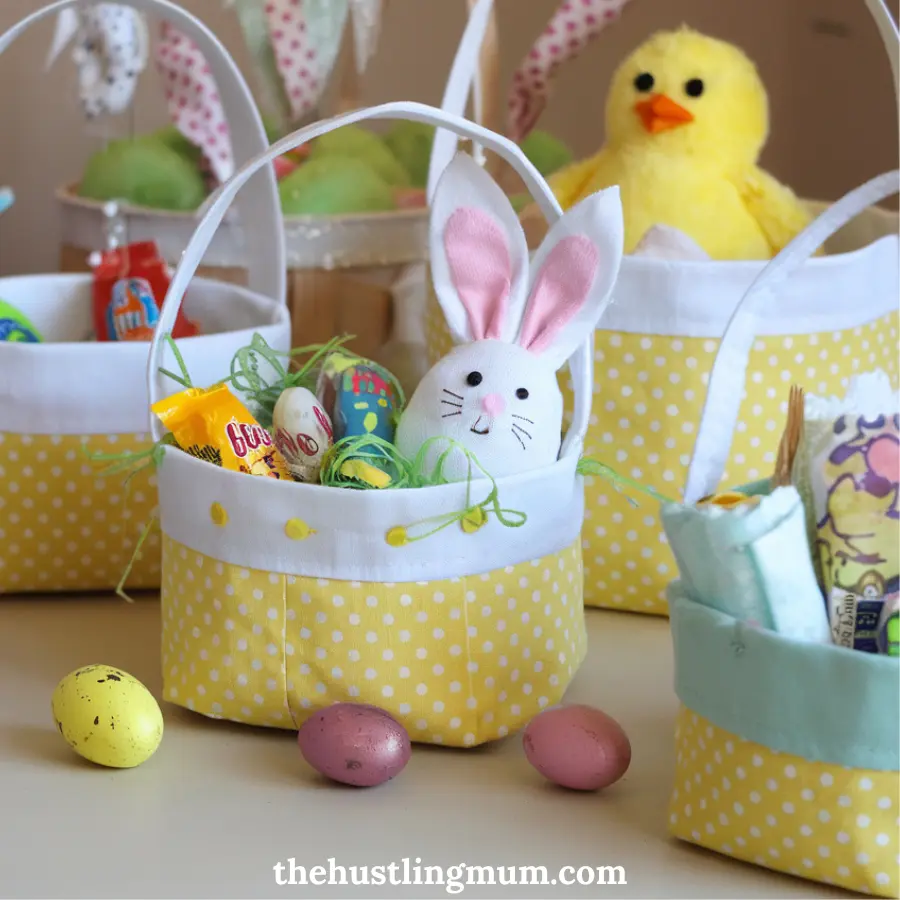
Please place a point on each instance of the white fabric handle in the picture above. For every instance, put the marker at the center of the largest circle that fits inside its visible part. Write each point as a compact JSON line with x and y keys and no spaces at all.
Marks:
{"x":260,"y":209}
{"x":464,"y":75}
{"x":416,"y":112}
{"x":890,"y":34}
{"x":726,"y":380}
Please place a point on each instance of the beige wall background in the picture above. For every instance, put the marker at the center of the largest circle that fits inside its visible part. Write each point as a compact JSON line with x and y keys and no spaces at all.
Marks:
{"x":834,"y":112}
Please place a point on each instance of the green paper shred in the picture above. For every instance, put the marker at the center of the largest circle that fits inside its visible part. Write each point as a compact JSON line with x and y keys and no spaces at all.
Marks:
{"x":587,"y":465}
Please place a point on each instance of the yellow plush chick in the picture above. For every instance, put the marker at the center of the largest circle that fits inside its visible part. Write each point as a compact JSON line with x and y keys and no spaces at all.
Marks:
{"x":686,"y":119}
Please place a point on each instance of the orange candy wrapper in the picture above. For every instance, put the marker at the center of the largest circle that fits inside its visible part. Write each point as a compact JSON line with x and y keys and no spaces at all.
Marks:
{"x":213,"y":425}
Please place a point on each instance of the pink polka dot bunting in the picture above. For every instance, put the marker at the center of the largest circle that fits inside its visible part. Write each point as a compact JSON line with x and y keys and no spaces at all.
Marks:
{"x":295,"y":55}
{"x":574,"y":24}
{"x":195,"y":107}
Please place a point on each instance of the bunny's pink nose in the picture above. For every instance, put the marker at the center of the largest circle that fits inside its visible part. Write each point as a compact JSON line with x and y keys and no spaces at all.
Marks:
{"x":493,"y":404}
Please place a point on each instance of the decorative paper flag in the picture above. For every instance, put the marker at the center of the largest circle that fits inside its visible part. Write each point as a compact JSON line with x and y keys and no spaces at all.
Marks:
{"x":366,"y":18}
{"x":252,"y":18}
{"x":193,"y":99}
{"x":110,"y":52}
{"x":574,"y":24}
{"x":306,"y":38}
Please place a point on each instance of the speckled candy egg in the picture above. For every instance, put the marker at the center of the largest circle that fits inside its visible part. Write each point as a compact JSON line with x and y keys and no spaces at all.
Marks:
{"x":577,"y":747}
{"x":107,"y":716}
{"x":355,"y":744}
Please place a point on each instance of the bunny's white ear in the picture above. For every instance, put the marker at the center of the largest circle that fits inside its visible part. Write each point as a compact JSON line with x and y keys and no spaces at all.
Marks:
{"x":575,"y":269}
{"x":479,"y":257}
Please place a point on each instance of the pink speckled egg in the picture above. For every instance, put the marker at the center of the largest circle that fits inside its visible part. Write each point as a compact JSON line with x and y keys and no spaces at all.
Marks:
{"x":577,"y":747}
{"x":355,"y":744}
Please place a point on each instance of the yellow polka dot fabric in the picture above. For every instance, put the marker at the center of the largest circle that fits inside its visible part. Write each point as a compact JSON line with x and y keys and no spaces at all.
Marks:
{"x":824,"y":822}
{"x":66,"y":528}
{"x":649,"y":392}
{"x":457,"y":662}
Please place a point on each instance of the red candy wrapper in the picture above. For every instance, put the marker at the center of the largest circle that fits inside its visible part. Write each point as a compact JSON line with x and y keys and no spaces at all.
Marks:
{"x":130,"y":284}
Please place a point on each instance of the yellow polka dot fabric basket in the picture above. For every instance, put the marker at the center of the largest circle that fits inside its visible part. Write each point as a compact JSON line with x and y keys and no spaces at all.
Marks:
{"x":280,"y":598}
{"x":787,"y":747}
{"x":63,"y":526}
{"x":652,"y":359}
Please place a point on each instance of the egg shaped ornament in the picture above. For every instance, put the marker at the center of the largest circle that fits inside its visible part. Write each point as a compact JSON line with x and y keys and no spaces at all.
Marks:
{"x":302,"y":432}
{"x":577,"y":747}
{"x":107,"y":716}
{"x":355,"y":744}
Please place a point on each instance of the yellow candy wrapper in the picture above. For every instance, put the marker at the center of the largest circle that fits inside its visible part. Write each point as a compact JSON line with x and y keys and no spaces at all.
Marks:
{"x":213,"y":425}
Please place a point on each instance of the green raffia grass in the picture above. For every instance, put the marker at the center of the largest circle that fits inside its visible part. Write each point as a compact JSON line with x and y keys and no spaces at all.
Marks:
{"x":587,"y":465}
{"x":415,"y":473}
{"x":261,"y":394}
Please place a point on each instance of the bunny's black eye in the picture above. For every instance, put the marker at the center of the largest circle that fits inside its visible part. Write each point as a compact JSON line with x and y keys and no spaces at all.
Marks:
{"x":474,"y":379}
{"x":694,"y":87}
{"x":522,"y":393}
{"x":644,"y":82}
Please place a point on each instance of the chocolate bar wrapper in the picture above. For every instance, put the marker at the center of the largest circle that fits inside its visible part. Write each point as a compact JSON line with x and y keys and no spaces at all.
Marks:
{"x":847,"y":472}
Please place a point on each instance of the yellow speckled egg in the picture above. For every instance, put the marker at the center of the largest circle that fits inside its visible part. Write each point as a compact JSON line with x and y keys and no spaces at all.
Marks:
{"x":107,"y":716}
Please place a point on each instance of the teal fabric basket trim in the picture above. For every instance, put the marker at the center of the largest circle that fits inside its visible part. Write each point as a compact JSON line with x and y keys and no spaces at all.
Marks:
{"x":818,"y":701}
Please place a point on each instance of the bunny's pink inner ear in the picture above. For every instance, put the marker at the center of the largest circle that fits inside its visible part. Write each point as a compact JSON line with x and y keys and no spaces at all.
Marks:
{"x":480,"y":269}
{"x":560,"y":291}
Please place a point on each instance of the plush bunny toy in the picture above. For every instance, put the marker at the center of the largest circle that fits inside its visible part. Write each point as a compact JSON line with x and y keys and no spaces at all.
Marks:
{"x":496,"y":393}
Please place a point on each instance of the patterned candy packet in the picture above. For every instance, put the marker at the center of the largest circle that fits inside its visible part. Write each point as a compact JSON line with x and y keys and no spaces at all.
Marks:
{"x":847,"y":472}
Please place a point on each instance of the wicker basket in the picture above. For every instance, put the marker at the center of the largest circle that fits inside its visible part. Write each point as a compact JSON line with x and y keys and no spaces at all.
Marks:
{"x":340,"y":269}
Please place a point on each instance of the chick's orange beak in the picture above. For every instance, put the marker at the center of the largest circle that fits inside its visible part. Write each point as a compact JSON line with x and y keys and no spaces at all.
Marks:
{"x":660,"y":113}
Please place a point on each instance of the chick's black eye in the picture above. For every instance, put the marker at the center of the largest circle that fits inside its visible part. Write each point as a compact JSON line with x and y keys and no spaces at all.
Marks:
{"x":644,"y":82}
{"x":522,"y":393}
{"x":474,"y":379}
{"x":694,"y":87}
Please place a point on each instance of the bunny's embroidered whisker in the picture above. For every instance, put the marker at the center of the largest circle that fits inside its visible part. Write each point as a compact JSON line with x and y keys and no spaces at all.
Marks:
{"x":451,"y":403}
{"x":457,"y":396}
{"x":448,"y":415}
{"x":518,"y":429}
{"x":529,"y":421}
{"x":519,"y":440}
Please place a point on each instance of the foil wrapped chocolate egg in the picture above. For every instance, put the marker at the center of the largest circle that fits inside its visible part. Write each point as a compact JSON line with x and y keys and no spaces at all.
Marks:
{"x":577,"y":747}
{"x":302,"y":432}
{"x":355,"y":744}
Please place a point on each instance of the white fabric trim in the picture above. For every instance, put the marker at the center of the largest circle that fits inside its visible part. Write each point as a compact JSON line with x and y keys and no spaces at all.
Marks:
{"x":351,"y":525}
{"x":697,"y":299}
{"x":69,"y":386}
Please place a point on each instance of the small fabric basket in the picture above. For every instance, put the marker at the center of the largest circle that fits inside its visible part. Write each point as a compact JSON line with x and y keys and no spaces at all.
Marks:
{"x":63,"y":526}
{"x":653,"y":355}
{"x":786,"y":753}
{"x":279,"y":599}
{"x":787,"y":746}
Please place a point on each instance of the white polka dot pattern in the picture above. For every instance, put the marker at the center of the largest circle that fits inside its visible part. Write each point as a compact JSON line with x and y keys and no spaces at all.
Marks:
{"x":65,"y":527}
{"x":824,"y":822}
{"x":458,"y":662}
{"x":648,"y":397}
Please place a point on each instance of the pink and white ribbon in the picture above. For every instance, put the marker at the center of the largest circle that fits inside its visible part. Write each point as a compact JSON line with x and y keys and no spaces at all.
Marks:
{"x":306,"y":36}
{"x":574,"y":24}
{"x":193,"y":99}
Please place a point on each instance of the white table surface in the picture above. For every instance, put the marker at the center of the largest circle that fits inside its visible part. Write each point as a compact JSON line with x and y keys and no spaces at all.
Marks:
{"x":218,"y":805}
